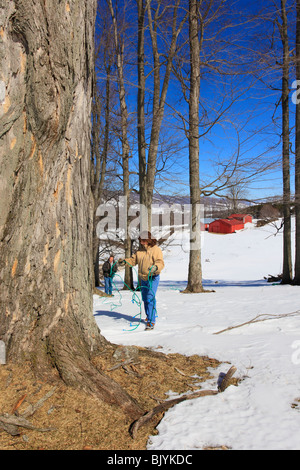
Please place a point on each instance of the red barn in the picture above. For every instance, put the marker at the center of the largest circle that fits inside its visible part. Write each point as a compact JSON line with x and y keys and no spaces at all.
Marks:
{"x":225,"y":226}
{"x":243,"y":217}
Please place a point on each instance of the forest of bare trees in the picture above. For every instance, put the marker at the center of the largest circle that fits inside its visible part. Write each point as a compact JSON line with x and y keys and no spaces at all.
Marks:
{"x":160,"y":68}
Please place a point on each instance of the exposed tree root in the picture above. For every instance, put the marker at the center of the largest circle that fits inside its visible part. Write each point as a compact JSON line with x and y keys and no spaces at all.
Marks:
{"x":106,"y":389}
{"x":80,"y":373}
{"x":188,"y":290}
{"x":162,"y":407}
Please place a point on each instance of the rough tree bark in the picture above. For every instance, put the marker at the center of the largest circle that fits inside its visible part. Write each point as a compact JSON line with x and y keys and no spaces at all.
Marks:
{"x":297,"y":158}
{"x":195,"y":270}
{"x":287,"y":248}
{"x":142,"y":145}
{"x":46,"y":210}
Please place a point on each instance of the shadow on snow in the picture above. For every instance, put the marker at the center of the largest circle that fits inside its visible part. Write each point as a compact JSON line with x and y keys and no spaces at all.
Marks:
{"x":118,"y":316}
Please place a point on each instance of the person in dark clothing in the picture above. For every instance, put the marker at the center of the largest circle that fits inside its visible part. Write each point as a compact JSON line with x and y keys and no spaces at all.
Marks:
{"x":109,"y":269}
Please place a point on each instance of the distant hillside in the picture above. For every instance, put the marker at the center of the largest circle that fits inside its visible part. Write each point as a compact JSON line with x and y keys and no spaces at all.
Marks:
{"x":213,"y":206}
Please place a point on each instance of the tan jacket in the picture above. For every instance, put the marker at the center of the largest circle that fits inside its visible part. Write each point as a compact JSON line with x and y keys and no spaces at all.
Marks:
{"x":145,"y":258}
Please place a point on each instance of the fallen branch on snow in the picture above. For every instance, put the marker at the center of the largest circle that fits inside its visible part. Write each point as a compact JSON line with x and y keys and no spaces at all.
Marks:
{"x":260,"y":318}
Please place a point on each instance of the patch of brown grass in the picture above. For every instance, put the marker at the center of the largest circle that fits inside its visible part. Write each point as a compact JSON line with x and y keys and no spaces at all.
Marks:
{"x":80,"y":421}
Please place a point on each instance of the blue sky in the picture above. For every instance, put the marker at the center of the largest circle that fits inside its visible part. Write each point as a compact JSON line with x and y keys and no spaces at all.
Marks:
{"x":247,"y":126}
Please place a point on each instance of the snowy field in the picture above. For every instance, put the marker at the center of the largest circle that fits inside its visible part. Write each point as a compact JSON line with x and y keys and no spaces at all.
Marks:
{"x":263,"y":411}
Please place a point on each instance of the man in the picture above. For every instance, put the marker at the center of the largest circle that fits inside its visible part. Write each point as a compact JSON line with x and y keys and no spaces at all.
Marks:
{"x":109,"y":269}
{"x":149,"y":259}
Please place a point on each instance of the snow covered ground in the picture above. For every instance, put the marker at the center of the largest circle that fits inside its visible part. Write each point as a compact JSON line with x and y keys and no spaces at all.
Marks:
{"x":263,"y":411}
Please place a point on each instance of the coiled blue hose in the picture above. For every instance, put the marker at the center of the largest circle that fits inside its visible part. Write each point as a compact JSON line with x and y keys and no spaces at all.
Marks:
{"x":136,"y":299}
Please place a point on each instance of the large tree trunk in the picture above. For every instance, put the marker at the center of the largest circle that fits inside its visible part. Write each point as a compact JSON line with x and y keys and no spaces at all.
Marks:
{"x":144,"y":200}
{"x":287,"y":249}
{"x":195,"y":270}
{"x":297,"y":159}
{"x":46,"y":212}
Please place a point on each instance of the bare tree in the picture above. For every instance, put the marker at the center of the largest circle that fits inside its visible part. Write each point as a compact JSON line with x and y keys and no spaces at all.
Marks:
{"x":195,"y":40}
{"x":287,"y":249}
{"x":297,"y":151}
{"x":235,"y":194}
{"x":277,"y":70}
{"x":100,"y":142}
{"x":160,"y":14}
{"x":119,"y":54}
{"x":204,"y":26}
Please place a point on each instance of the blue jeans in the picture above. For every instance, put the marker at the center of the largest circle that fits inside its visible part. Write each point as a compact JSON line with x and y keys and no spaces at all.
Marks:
{"x":149,"y":289}
{"x":108,"y":285}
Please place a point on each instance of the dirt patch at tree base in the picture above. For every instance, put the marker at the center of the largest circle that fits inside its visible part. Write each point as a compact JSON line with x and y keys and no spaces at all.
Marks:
{"x":79,"y":421}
